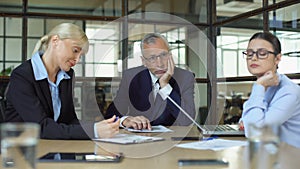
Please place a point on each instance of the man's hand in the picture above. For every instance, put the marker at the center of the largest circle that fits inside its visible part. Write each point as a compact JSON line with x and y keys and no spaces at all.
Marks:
{"x":268,"y":79}
{"x":108,"y":128}
{"x":138,"y":122}
{"x":164,"y":79}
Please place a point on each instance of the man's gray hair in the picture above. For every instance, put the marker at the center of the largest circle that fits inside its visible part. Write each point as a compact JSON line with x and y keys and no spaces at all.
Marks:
{"x":151,"y":38}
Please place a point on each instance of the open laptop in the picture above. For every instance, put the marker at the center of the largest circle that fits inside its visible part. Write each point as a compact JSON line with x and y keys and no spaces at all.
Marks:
{"x":222,"y":130}
{"x":211,"y":130}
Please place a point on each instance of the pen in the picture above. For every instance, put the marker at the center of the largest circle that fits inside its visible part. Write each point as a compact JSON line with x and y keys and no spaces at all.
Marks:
{"x":209,"y":138}
{"x":193,"y":138}
{"x":116,"y":119}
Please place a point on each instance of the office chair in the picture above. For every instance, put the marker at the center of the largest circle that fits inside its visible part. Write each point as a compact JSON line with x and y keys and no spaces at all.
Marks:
{"x":2,"y":108}
{"x":233,"y":110}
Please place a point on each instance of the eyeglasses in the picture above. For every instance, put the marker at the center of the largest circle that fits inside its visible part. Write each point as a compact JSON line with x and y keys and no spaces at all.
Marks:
{"x":260,"y":53}
{"x":153,"y":58}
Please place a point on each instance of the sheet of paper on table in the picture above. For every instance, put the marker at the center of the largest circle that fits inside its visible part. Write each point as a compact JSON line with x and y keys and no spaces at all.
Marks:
{"x":214,"y":144}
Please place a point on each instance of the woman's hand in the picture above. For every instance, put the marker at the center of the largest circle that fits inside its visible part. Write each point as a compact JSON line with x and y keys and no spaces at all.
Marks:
{"x":270,"y":78}
{"x":108,"y":128}
{"x":241,"y":126}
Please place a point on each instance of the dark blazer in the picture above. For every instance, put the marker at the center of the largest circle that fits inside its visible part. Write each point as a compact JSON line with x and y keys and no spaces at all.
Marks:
{"x":135,"y":97}
{"x":29,"y":100}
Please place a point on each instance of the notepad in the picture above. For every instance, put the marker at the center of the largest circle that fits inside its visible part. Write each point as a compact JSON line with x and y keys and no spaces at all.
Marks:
{"x":155,"y":129}
{"x":129,"y":139}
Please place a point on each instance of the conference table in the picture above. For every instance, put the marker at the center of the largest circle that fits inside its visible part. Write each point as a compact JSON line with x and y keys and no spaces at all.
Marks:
{"x":161,"y":154}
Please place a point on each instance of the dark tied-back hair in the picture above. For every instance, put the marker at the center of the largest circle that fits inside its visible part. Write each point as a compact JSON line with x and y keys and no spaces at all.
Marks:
{"x":270,"y":38}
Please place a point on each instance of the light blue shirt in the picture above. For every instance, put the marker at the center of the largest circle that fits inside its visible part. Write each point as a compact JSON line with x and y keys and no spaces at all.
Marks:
{"x":277,"y":105}
{"x":40,"y":73}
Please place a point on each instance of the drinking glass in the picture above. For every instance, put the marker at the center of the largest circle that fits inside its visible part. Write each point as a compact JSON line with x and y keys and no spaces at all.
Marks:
{"x":18,"y":145}
{"x":264,"y":143}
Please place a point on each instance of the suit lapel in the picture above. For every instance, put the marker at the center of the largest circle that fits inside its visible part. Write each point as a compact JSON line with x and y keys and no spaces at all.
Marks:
{"x":45,"y":95}
{"x":140,"y":91}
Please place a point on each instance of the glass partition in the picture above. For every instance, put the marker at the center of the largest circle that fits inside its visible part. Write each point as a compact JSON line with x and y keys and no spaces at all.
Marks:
{"x":274,"y":1}
{"x":11,"y":44}
{"x":1,"y":53}
{"x":290,"y":44}
{"x":284,"y":23}
{"x":90,"y":7}
{"x":104,"y":58}
{"x":1,"y":26}
{"x":194,"y":11}
{"x":11,"y":6}
{"x":230,"y":44}
{"x":230,"y":99}
{"x":13,"y":27}
{"x":229,"y":8}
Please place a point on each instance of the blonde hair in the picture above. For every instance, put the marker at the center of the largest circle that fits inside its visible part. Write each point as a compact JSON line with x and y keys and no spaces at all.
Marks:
{"x":64,"y":31}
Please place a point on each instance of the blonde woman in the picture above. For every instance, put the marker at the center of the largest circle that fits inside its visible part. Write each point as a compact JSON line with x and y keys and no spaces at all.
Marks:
{"x":40,"y":89}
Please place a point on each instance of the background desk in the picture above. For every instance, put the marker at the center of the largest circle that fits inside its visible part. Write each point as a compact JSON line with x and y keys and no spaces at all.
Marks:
{"x":237,"y":156}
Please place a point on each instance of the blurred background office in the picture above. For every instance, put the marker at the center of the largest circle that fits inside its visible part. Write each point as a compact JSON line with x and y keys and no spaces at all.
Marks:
{"x":223,"y":82}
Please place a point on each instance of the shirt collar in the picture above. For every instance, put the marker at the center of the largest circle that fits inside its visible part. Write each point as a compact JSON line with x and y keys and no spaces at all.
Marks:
{"x":39,"y":69}
{"x":153,"y":78}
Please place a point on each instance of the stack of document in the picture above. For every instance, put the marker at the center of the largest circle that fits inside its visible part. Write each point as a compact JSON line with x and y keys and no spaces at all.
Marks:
{"x":135,"y":139}
{"x":129,"y":139}
{"x":155,"y":129}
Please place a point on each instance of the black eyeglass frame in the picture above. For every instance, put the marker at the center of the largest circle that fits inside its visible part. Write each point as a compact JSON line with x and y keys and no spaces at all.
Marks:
{"x":153,"y":58}
{"x":258,"y":53}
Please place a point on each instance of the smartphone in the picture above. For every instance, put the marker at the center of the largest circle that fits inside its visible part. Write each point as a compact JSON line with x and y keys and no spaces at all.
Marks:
{"x":186,"y":162}
{"x":79,"y":157}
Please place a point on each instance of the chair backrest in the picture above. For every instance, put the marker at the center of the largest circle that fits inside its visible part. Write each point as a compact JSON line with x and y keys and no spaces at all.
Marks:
{"x":2,"y":108}
{"x":203,"y":113}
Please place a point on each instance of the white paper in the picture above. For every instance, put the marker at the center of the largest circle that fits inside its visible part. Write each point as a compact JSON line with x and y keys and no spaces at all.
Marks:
{"x":129,"y":139}
{"x":155,"y":129}
{"x":214,"y":144}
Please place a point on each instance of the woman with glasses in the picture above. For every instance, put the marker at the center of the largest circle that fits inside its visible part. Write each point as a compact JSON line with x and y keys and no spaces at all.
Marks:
{"x":138,"y":101}
{"x":274,"y":98}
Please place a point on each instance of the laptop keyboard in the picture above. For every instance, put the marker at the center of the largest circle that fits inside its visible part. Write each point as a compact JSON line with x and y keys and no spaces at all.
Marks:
{"x":219,"y":128}
{"x":224,"y":128}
